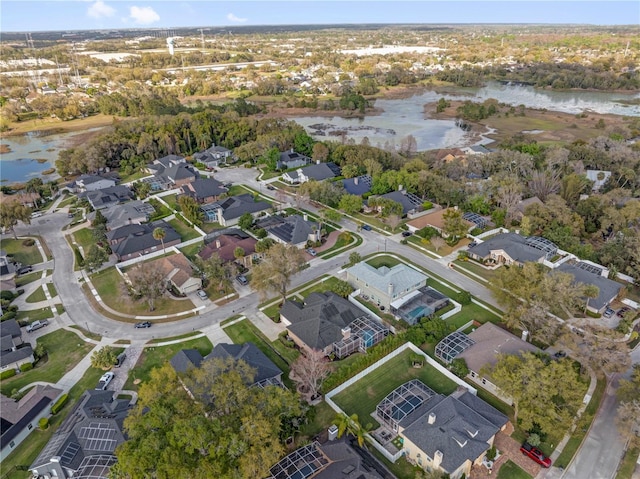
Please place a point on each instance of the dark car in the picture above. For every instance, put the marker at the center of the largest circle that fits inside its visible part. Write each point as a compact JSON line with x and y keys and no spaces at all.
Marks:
{"x":608,"y":313}
{"x":143,"y":324}
{"x":560,"y":355}
{"x":242,"y":280}
{"x":406,"y":234}
{"x":622,"y":311}
{"x":366,"y":227}
{"x":269,"y":187}
{"x":25,"y":269}
{"x":535,"y":454}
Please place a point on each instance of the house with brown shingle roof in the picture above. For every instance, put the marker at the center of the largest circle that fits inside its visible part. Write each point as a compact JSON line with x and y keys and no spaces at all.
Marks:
{"x":225,"y":245}
{"x":178,"y":271}
{"x":434,"y":220}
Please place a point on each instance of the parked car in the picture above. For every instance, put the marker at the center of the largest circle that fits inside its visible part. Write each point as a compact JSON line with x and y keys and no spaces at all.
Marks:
{"x":105,"y":380}
{"x":143,"y":324}
{"x":406,"y":234}
{"x":25,"y":269}
{"x":36,"y":214}
{"x":120,"y":359}
{"x":535,"y":454}
{"x":242,"y":279}
{"x":608,"y":313}
{"x":269,"y":187}
{"x":70,"y":215}
{"x":202,"y":295}
{"x":560,"y":355}
{"x":311,"y":251}
{"x":622,"y":311}
{"x":366,"y":227}
{"x":37,"y":325}
{"x":228,"y":185}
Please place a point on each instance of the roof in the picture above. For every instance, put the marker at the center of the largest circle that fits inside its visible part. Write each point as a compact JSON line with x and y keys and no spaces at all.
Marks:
{"x":293,"y":229}
{"x":399,"y":278}
{"x":175,"y":268}
{"x":358,"y":185}
{"x":10,"y":327}
{"x":408,"y":201}
{"x":89,"y":179}
{"x":319,"y":321}
{"x":225,"y":246}
{"x":250,"y":354}
{"x":204,"y":188}
{"x":523,"y":204}
{"x":435,"y":219}
{"x":185,"y":359}
{"x":513,"y":244}
{"x":460,"y":428}
{"x":599,"y":177}
{"x":608,"y":289}
{"x":120,"y":216}
{"x":140,"y":237}
{"x":321,"y":171}
{"x":10,"y":357}
{"x":489,"y":341}
{"x":108,"y":196}
{"x":169,"y":160}
{"x":292,"y":158}
{"x":211,"y":237}
{"x":235,"y":206}
{"x":181,"y":171}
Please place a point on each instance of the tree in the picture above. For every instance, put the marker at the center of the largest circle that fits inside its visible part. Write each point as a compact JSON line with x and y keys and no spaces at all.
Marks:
{"x":351,"y":425}
{"x":590,"y":291}
{"x":341,"y":288}
{"x":190,"y":209}
{"x":147,"y":281}
{"x":354,"y":258}
{"x":213,"y":269}
{"x":159,"y":234}
{"x":104,"y":358}
{"x":628,"y":421}
{"x":320,"y":152}
{"x":245,"y":221}
{"x":238,"y":252}
{"x":438,"y":242}
{"x":309,"y":370}
{"x":142,"y":189}
{"x":459,"y":367}
{"x":99,"y":220}
{"x":264,"y":244}
{"x":11,"y":212}
{"x":455,"y":226}
{"x":277,"y":268}
{"x":95,"y":258}
{"x":208,"y":423}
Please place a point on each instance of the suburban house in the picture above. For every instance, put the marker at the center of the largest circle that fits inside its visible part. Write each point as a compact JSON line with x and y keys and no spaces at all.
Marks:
{"x":25,"y":198}
{"x":522,"y":205}
{"x":331,"y":324}
{"x":512,"y":248}
{"x":291,"y":159}
{"x":228,"y":211}
{"x":135,"y":211}
{"x":84,"y":445}
{"x":317,"y":172}
{"x":204,"y":190}
{"x":475,"y":150}
{"x":7,"y":268}
{"x":93,"y":183}
{"x":178,"y":272}
{"x":225,"y":245}
{"x":434,"y":220}
{"x":295,"y":230}
{"x":170,"y":172}
{"x":267,"y":373}
{"x":213,"y":156}
{"x":410,"y":202}
{"x":133,"y":240}
{"x":480,"y":348}
{"x":586,"y":273}
{"x":160,"y":164}
{"x":358,"y":185}
{"x":19,"y":418}
{"x":442,"y":433}
{"x":13,"y":350}
{"x":385,"y":285}
{"x":107,"y":197}
{"x":599,"y":178}
{"x":332,"y":460}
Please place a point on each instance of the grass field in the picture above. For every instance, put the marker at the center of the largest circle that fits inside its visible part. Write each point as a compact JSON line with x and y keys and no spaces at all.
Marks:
{"x":362,"y":397}
{"x":52,"y":290}
{"x":21,"y":253}
{"x":64,"y":350}
{"x":510,"y":470}
{"x":185,"y":232}
{"x":108,"y":283}
{"x":192,"y":250}
{"x":172,"y":201}
{"x":36,"y":296}
{"x":628,"y":464}
{"x":34,"y":314}
{"x":474,"y":267}
{"x":155,"y":356}
{"x":84,"y":238}
{"x":383,"y":260}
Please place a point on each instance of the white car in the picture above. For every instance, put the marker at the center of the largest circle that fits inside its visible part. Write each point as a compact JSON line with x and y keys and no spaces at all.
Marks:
{"x":105,"y":380}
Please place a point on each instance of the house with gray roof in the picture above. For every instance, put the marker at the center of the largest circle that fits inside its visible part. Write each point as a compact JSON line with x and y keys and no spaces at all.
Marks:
{"x":170,"y":171}
{"x":204,"y":190}
{"x":317,"y":172}
{"x":608,"y":289}
{"x":131,"y":212}
{"x":267,"y":373}
{"x":13,"y":350}
{"x":512,"y":248}
{"x":228,"y":211}
{"x":108,"y":197}
{"x":410,"y":202}
{"x":292,"y":159}
{"x":213,"y":156}
{"x":7,"y":267}
{"x":450,"y":433}
{"x":130,"y":241}
{"x":294,"y":230}
{"x":385,"y":285}
{"x":84,"y":445}
{"x":331,"y":324}
{"x":93,"y":182}
{"x":358,"y":185}
{"x":19,"y":418}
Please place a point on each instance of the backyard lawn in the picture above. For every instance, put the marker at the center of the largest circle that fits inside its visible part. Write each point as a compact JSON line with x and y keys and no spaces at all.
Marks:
{"x":383,"y":260}
{"x":191,"y":250}
{"x":185,"y":232}
{"x":362,"y":397}
{"x":172,"y":201}
{"x":109,"y":283}
{"x":155,"y":356}
{"x":64,"y":350}
{"x":20,"y":252}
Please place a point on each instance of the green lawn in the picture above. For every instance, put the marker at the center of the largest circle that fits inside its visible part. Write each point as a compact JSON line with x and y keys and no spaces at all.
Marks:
{"x":510,"y":470}
{"x":211,"y":227}
{"x":84,"y":238}
{"x":52,"y":290}
{"x":185,"y":232}
{"x":108,"y":283}
{"x":67,"y":201}
{"x":36,"y":296}
{"x":474,"y":267}
{"x":161,"y":210}
{"x":155,"y":356}
{"x":363,"y":396}
{"x":172,"y":201}
{"x":19,"y":252}
{"x":320,"y":286}
{"x":34,"y":314}
{"x":323,"y":417}
{"x":192,"y":250}
{"x":383,"y":260}
{"x":628,"y":464}
{"x":471,"y":312}
{"x":134,"y":176}
{"x":64,"y":350}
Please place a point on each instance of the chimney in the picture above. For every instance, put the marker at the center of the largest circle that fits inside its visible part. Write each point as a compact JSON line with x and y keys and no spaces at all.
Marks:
{"x":291,"y":150}
{"x":333,"y":432}
{"x":346,"y":332}
{"x":432,"y":418}
{"x":218,"y":244}
{"x":437,"y":459}
{"x":390,"y":290}
{"x":355,"y":180}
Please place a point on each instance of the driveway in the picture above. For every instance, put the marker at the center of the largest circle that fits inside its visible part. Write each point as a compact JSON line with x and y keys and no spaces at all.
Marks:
{"x":509,"y":449}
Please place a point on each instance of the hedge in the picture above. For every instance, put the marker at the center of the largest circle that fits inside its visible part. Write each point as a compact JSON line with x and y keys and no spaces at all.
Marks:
{"x":78,"y":256}
{"x":43,"y":423}
{"x":55,"y":409}
{"x":8,"y":374}
{"x":26,"y":367}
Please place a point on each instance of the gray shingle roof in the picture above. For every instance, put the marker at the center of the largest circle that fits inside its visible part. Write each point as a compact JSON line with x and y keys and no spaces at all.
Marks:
{"x":407,"y":200}
{"x":511,"y":243}
{"x":321,"y":171}
{"x":235,"y":206}
{"x":293,"y":229}
{"x":292,"y":159}
{"x":609,"y":289}
{"x":9,"y":357}
{"x":140,"y":237}
{"x":400,"y":278}
{"x":186,"y":359}
{"x":108,"y":196}
{"x":249,"y":353}
{"x":203,"y":188}
{"x":320,"y":320}
{"x":181,"y":171}
{"x":357,"y":186}
{"x":11,"y":328}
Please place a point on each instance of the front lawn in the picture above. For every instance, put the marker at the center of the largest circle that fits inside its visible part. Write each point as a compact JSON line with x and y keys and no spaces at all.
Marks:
{"x":84,"y":238}
{"x":510,"y":470}
{"x":36,"y":296}
{"x":473,"y":267}
{"x":109,"y":285}
{"x":186,"y":232}
{"x":363,"y":396}
{"x":155,"y":356}
{"x":21,"y":253}
{"x":64,"y":350}
{"x":31,"y":315}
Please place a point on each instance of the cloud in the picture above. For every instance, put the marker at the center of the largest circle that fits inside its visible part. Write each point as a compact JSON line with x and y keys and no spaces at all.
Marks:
{"x":233,"y":18}
{"x":143,"y":15}
{"x":99,"y":9}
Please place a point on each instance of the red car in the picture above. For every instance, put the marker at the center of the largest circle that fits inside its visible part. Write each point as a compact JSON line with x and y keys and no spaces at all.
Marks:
{"x":535,"y":454}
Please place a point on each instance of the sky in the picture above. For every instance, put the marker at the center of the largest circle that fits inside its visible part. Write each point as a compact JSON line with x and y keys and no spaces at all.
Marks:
{"x":35,"y":15}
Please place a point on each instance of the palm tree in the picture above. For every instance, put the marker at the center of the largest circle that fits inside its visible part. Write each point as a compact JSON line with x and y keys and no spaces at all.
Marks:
{"x":351,"y":425}
{"x":159,"y":234}
{"x":590,"y":291}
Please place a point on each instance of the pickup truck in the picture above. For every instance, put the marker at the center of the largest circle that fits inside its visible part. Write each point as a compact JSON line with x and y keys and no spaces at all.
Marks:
{"x":37,"y":325}
{"x":535,"y":454}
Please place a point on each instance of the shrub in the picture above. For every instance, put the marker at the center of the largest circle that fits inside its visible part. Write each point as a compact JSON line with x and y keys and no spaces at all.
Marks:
{"x":29,"y":242}
{"x":427,"y":205}
{"x":459,"y":367}
{"x":491,"y":453}
{"x":55,"y":409}
{"x":534,"y":439}
{"x":591,"y":314}
{"x":78,"y":256}
{"x":43,"y":423}
{"x":463,"y":297}
{"x":7,"y":374}
{"x":6,"y":295}
{"x":8,"y":315}
{"x":26,"y":367}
